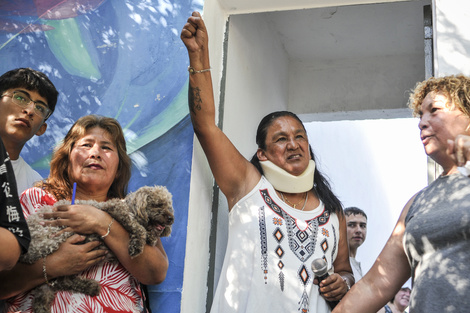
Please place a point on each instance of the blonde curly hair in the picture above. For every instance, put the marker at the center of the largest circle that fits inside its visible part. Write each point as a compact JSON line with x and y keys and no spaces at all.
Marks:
{"x":455,"y":87}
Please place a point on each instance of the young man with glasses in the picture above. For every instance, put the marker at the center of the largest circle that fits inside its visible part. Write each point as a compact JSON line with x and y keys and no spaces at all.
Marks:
{"x":27,"y":100}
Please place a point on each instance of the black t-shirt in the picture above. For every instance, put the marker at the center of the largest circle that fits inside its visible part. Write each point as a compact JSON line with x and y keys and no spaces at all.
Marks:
{"x":11,"y":213}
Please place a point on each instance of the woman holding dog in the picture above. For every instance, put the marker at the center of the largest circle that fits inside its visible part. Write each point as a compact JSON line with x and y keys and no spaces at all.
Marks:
{"x":93,"y":154}
{"x":283,"y":214}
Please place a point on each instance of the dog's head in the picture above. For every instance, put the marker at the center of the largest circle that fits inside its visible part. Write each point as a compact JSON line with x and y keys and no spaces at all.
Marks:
{"x":153,"y":208}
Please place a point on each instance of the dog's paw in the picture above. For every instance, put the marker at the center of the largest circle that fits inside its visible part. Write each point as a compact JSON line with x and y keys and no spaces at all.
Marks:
{"x":43,"y":298}
{"x":135,"y":248}
{"x":94,"y":289}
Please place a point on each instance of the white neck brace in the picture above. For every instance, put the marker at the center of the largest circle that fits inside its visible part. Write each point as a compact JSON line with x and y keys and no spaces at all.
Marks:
{"x":285,"y":182}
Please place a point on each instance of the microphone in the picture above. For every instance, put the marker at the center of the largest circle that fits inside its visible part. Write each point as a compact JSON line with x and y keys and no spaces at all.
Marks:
{"x":320,"y":270}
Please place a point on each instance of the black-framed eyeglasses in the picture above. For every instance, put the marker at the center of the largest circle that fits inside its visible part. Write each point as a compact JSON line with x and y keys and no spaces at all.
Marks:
{"x":22,"y":99}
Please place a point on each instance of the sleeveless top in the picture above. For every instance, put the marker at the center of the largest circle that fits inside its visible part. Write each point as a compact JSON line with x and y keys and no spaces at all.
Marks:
{"x":437,"y":245}
{"x":267,"y":265}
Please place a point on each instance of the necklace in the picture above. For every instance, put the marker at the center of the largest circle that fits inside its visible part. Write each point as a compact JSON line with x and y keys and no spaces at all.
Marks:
{"x":295,"y":204}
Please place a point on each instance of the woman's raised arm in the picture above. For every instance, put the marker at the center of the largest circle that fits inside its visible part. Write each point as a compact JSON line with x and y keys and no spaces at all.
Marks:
{"x":233,"y":173}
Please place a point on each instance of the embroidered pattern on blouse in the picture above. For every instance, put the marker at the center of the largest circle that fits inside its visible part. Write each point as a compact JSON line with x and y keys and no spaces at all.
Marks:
{"x":334,"y":240}
{"x":302,"y":243}
{"x":264,"y":243}
{"x":303,"y":303}
{"x":279,"y":251}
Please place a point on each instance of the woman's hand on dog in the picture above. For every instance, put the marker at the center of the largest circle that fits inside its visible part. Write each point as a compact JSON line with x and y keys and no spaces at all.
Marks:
{"x":73,"y":258}
{"x":79,"y":218}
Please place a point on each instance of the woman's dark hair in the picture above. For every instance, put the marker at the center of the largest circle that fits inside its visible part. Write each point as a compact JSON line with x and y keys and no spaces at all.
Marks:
{"x":321,"y":186}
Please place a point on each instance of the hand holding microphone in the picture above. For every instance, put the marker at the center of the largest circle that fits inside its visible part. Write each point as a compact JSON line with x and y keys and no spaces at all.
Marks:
{"x":320,"y":270}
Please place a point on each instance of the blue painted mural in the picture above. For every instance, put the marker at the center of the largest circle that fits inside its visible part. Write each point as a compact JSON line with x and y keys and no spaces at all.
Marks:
{"x":123,"y":59}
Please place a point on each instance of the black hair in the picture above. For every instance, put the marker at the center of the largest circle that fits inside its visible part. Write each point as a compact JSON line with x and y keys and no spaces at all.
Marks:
{"x":402,"y":288}
{"x":355,"y":211}
{"x":32,"y":80}
{"x":321,"y":186}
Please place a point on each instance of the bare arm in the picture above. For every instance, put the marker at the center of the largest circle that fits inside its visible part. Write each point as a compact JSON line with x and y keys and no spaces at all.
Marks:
{"x":232,"y":172}
{"x":382,"y":310}
{"x":389,"y":272}
{"x":149,"y":268}
{"x":10,"y":251}
{"x":334,"y":287}
{"x":70,"y":258}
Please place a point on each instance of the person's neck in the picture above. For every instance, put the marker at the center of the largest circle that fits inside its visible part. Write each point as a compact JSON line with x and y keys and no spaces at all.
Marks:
{"x":396,"y":308}
{"x":352,"y":253}
{"x":293,"y":197}
{"x":450,"y":170}
{"x":449,"y":166}
{"x":13,"y":149}
{"x":97,"y":196}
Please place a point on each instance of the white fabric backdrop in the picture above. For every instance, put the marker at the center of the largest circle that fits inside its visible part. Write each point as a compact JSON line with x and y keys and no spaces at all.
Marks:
{"x":376,"y":165}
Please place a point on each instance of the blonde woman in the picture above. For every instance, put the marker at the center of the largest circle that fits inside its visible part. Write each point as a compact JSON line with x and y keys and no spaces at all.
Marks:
{"x":430,"y":241}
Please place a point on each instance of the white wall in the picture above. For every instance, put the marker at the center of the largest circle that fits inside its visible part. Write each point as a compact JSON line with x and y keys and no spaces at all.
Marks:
{"x":451,"y":37}
{"x":196,"y":265}
{"x":257,"y":79}
{"x":352,"y":84}
{"x":250,"y":6}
